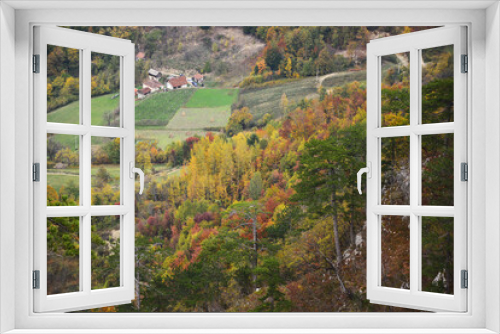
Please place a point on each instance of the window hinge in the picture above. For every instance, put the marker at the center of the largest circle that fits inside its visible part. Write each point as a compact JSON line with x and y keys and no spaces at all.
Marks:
{"x":464,"y":171}
{"x":36,"y":279}
{"x":36,"y":63}
{"x":36,"y":172}
{"x":465,"y":64}
{"x":464,"y":279}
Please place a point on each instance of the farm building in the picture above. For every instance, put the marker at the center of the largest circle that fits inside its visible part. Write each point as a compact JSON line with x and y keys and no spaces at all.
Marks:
{"x":198,"y":78}
{"x":141,"y":93}
{"x":177,"y":82}
{"x":140,"y":55}
{"x":153,"y":85}
{"x":154,"y":74}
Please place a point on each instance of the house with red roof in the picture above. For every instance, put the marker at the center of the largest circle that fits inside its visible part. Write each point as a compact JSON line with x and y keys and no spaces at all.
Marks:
{"x":177,"y":82}
{"x":153,"y":85}
{"x":140,"y":55}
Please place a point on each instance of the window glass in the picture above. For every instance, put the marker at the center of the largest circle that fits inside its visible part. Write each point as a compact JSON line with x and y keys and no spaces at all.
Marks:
{"x":395,"y":182}
{"x":395,"y":85}
{"x":105,"y":177}
{"x":105,"y":86}
{"x":63,"y":85}
{"x":63,"y":257}
{"x":105,"y":252}
{"x":437,"y":169}
{"x":63,"y":170}
{"x":395,"y":232}
{"x":437,"y":85}
{"x":437,"y":254}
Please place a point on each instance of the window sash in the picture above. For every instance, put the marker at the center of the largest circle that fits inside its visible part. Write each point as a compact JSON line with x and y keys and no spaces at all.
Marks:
{"x":86,"y":297}
{"x":413,"y":43}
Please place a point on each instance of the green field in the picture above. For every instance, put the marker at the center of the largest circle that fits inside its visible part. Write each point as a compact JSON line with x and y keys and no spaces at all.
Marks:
{"x":159,"y":108}
{"x":340,"y":79}
{"x":63,"y":177}
{"x":57,"y":180}
{"x":189,"y":110}
{"x":165,"y":137}
{"x":267,"y":99}
{"x":99,"y":106}
{"x":209,"y":98}
{"x":200,"y":118}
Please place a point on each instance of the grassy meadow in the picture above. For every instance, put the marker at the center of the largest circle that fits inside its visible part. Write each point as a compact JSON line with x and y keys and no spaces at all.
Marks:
{"x":199,"y":118}
{"x":159,"y":108}
{"x":209,"y":98}
{"x":70,"y":112}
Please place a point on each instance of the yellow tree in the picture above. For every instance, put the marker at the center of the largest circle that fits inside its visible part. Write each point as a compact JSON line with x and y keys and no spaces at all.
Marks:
{"x":288,"y":67}
{"x":284,"y":103}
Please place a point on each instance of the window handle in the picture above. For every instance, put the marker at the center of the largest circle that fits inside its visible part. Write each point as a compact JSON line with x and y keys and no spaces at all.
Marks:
{"x":368,"y":171}
{"x":134,"y":170}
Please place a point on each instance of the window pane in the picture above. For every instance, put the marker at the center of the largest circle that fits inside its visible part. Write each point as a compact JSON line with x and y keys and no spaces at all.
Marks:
{"x":437,"y":254}
{"x":105,"y":252}
{"x":63,"y":170}
{"x":395,"y":232}
{"x":105,"y":171}
{"x":437,"y":169}
{"x":395,"y":175}
{"x":105,"y":103}
{"x":63,"y":85}
{"x":437,"y":84}
{"x":395,"y":84}
{"x":63,"y":255}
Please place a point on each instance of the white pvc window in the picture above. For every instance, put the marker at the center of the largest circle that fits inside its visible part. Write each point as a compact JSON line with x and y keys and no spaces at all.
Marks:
{"x":65,"y":255}
{"x":415,"y":148}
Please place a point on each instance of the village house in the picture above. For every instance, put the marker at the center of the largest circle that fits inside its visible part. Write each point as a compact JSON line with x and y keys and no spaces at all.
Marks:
{"x":154,"y":74}
{"x":177,"y":82}
{"x":140,"y":56}
{"x":153,"y":85}
{"x":198,"y":78}
{"x":141,"y":93}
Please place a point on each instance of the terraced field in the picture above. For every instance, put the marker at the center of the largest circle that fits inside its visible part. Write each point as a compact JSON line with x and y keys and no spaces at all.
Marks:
{"x":159,"y":108}
{"x":265,"y":100}
{"x":165,"y":137}
{"x":200,"y":118}
{"x":209,"y":98}
{"x":99,"y":106}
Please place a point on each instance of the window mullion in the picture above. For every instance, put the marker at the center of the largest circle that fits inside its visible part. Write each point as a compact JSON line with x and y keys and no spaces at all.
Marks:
{"x":414,"y":171}
{"x":86,"y":240}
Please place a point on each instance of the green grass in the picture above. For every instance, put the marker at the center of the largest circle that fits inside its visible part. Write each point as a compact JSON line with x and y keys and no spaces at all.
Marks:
{"x":56,"y":180}
{"x":200,"y":118}
{"x":344,"y":78}
{"x":70,"y":112}
{"x":70,"y":141}
{"x":159,"y":108}
{"x":209,"y":98}
{"x":113,"y":170}
{"x":267,"y":99}
{"x":165,"y":137}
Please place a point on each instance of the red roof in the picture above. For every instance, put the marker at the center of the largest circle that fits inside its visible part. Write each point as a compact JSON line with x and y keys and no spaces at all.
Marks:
{"x":140,"y":55}
{"x":153,"y":84}
{"x":198,"y":76}
{"x":178,"y":81}
{"x":144,"y":91}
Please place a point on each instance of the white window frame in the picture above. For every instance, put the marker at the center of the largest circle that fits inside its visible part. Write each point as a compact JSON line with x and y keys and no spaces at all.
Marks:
{"x":483,"y":263}
{"x":86,"y":297}
{"x":414,"y":43}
